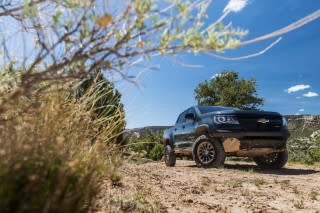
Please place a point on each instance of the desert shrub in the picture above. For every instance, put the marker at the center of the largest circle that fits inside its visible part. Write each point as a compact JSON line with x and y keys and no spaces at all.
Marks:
{"x":148,"y":146}
{"x":304,"y":146}
{"x":156,"y":152}
{"x":48,"y":162}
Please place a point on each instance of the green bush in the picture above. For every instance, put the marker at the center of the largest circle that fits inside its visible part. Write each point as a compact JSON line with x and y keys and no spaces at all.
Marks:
{"x":157,"y":151}
{"x":147,"y":146}
{"x":304,"y":146}
{"x":314,"y":151}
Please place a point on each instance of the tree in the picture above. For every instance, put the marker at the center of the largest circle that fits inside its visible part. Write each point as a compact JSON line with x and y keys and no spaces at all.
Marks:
{"x":227,"y":89}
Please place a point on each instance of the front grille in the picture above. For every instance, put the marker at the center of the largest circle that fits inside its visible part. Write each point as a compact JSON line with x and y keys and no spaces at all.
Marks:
{"x":251,"y":123}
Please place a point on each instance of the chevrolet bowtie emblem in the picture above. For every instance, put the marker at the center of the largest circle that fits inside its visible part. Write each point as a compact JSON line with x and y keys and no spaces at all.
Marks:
{"x":263,"y":120}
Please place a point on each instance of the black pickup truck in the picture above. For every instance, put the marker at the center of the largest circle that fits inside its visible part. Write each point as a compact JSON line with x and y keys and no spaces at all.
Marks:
{"x":210,"y":133}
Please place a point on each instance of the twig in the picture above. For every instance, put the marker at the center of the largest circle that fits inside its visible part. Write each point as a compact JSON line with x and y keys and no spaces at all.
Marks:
{"x":246,"y":56}
{"x":301,"y":22}
{"x":177,"y":61}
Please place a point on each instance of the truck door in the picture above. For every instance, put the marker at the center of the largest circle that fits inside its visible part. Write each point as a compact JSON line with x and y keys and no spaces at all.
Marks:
{"x":178,"y":130}
{"x":184,"y":130}
{"x":188,"y":129}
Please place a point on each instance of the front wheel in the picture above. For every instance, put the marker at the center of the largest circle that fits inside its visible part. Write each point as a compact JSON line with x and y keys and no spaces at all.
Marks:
{"x":208,"y":153}
{"x":169,"y":156}
{"x":272,"y":161}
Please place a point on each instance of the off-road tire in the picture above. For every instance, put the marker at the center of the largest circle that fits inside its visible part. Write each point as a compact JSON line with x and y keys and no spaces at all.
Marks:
{"x":272,"y":161}
{"x":213,"y":147}
{"x":169,"y":156}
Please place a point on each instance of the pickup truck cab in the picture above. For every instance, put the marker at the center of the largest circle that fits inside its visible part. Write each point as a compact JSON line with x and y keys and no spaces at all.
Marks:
{"x":210,"y":133}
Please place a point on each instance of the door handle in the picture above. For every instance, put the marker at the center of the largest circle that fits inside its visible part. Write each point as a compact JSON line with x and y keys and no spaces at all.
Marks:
{"x":183,"y":126}
{"x":175,"y":129}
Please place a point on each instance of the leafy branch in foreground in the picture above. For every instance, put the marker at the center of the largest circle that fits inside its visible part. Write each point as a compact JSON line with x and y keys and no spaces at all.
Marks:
{"x":50,"y":40}
{"x":70,"y":39}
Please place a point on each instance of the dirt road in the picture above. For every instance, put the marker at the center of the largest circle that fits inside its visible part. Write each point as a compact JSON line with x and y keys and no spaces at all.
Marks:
{"x":239,"y":187}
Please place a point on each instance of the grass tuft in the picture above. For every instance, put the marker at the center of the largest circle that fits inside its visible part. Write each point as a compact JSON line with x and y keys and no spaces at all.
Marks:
{"x":314,"y":195}
{"x":54,"y":152}
{"x":299,"y":204}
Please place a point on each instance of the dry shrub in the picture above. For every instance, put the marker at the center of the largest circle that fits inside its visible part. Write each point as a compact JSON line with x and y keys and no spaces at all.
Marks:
{"x":52,"y":157}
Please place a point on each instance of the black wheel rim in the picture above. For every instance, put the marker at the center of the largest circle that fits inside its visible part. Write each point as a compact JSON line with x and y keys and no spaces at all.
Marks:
{"x":206,"y":152}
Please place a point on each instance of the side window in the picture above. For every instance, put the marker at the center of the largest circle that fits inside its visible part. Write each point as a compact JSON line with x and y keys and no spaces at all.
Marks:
{"x":191,"y":110}
{"x":181,"y":118}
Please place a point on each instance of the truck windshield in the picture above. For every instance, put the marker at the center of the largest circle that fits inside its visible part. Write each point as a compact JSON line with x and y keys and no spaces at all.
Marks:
{"x":207,"y":109}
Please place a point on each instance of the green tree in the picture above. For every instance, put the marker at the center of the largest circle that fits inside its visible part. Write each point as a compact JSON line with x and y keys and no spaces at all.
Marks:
{"x":228,"y":89}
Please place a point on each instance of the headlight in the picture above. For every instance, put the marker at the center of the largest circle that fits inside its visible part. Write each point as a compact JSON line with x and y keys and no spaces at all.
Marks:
{"x":225,"y":119}
{"x":284,"y":122}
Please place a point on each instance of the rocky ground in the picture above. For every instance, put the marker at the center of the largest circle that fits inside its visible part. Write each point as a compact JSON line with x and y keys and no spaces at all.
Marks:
{"x":239,"y":187}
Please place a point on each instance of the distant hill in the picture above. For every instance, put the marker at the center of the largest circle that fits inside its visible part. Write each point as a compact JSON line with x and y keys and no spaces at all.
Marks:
{"x":303,"y":121}
{"x":144,"y":130}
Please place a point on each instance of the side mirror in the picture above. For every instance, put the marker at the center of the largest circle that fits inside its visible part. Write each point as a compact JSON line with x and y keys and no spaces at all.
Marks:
{"x":190,"y":116}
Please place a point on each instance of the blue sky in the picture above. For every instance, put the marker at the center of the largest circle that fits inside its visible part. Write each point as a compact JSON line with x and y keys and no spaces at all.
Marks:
{"x":164,"y":93}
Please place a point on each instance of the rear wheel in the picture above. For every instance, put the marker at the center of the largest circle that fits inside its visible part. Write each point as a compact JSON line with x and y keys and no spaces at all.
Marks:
{"x":169,"y":156}
{"x":272,"y":161}
{"x":208,"y":153}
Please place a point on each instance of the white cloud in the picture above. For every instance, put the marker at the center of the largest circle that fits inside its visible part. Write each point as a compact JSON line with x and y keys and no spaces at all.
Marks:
{"x":297,"y":88}
{"x":311,"y":94}
{"x":235,"y":5}
{"x":301,"y":110}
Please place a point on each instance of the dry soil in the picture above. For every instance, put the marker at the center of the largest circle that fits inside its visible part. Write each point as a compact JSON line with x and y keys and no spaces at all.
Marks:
{"x":236,"y":188}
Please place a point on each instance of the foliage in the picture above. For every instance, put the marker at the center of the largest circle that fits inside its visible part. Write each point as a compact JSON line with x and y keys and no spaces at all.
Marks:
{"x":47,"y":163}
{"x":227,"y":89}
{"x":148,"y":146}
{"x":157,"y":151}
{"x":9,"y":79}
{"x":304,"y":146}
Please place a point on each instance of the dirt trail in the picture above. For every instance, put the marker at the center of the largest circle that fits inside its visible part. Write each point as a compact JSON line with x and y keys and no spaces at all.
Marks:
{"x":236,"y":188}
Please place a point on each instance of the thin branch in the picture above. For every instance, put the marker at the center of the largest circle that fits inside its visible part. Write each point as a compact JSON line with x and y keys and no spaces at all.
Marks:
{"x":177,"y":61}
{"x":301,"y":22}
{"x":7,"y":12}
{"x":246,"y":56}
{"x":219,"y":20}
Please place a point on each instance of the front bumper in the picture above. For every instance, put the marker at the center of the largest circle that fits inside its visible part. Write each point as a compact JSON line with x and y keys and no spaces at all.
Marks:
{"x":240,"y":134}
{"x":249,"y":140}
